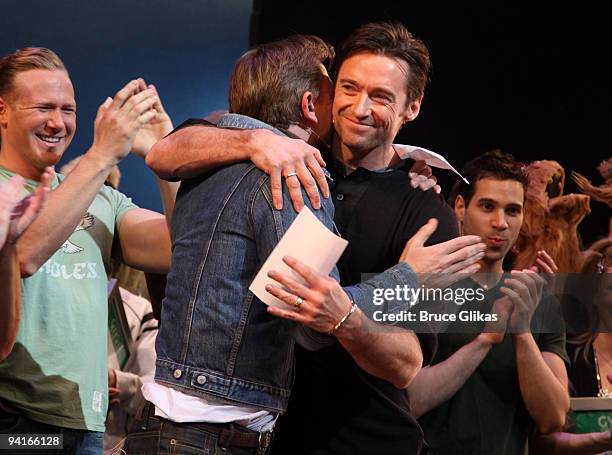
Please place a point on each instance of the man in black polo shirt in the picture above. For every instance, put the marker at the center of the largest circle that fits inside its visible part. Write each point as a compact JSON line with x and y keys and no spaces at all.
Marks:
{"x":336,"y":406}
{"x":381,"y":75}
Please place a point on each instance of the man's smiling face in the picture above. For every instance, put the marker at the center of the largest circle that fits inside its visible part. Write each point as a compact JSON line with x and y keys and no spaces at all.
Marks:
{"x":370,"y":103}
{"x":39,"y":117}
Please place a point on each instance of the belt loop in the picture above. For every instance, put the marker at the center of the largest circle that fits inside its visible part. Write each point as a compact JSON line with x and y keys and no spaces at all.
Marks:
{"x":264,"y":442}
{"x":228,"y":442}
{"x":148,"y":411}
{"x":140,"y":410}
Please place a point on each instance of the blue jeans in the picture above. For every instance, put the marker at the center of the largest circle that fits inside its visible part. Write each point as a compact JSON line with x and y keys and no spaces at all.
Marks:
{"x":76,"y":442}
{"x":153,"y":435}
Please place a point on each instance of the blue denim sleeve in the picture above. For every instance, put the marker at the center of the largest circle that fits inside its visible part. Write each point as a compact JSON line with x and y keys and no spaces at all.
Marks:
{"x":400,"y":275}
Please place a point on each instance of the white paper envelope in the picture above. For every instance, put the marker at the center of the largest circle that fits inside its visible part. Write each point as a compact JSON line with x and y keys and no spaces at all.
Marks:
{"x":307,"y":240}
{"x":431,"y":158}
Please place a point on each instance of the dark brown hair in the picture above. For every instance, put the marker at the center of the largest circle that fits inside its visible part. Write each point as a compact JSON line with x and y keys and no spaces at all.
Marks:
{"x":494,"y":164}
{"x":391,"y":39}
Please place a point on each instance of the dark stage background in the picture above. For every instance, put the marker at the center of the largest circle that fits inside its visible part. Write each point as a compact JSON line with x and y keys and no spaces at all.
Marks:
{"x":532,"y":81}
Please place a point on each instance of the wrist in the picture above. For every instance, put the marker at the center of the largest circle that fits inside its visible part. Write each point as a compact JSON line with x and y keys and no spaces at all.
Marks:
{"x":97,"y":158}
{"x":348,"y":323}
{"x":352,"y":326}
{"x":143,"y":149}
{"x":255,"y":141}
{"x":485,"y":340}
{"x":522,"y":337}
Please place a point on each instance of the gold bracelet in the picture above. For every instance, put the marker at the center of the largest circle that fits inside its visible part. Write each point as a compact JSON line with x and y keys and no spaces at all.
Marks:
{"x":344,"y":319}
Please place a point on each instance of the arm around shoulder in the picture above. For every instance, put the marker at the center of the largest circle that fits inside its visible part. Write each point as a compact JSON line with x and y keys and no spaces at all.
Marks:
{"x":196,"y":149}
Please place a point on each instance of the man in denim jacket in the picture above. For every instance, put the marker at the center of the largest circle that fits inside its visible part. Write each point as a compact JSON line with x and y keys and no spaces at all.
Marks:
{"x":224,"y":363}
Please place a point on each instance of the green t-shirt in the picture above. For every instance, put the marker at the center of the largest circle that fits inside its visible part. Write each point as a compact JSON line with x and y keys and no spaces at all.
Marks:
{"x":57,"y":371}
{"x":487,"y":415}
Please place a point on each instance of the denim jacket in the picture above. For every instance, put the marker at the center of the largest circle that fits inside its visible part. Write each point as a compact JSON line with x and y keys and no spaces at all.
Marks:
{"x":216,"y":339}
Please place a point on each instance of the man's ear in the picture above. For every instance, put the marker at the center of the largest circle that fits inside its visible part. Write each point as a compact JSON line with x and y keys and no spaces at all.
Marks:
{"x":412,"y":109}
{"x":459,"y":208}
{"x":308,"y":107}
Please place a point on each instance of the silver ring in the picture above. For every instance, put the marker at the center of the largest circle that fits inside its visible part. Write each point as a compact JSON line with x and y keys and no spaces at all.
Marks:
{"x":298,"y":302}
{"x":291,"y":174}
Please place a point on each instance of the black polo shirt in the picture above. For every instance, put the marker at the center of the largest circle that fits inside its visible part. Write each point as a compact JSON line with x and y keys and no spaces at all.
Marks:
{"x":336,"y":407}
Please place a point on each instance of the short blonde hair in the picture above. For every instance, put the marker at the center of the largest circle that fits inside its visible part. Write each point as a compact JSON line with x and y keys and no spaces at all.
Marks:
{"x":25,"y":59}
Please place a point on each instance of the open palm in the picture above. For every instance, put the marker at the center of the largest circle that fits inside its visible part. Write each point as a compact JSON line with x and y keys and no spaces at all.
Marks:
{"x":16,"y":215}
{"x":158,"y":127}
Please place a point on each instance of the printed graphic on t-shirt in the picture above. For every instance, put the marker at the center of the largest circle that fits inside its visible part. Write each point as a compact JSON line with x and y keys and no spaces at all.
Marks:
{"x":70,"y":248}
{"x":96,"y":403}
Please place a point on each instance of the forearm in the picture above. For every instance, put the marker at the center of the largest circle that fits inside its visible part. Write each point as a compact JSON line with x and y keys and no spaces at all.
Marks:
{"x":194,"y":150}
{"x":144,"y":239}
{"x":62,"y":212}
{"x":572,"y":444}
{"x":10,"y":299}
{"x":545,"y":397}
{"x":168,"y":192}
{"x":387,"y":352}
{"x":436,"y":384}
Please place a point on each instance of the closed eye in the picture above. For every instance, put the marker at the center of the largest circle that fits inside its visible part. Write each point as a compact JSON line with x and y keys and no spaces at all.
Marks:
{"x":383,"y":97}
{"x":348,"y":88}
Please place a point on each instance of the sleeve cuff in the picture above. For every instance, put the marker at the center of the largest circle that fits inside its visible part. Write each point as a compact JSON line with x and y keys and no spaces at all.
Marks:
{"x":128,"y":384}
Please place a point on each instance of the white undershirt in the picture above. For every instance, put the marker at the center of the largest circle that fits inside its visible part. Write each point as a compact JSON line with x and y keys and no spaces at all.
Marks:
{"x":179,"y":407}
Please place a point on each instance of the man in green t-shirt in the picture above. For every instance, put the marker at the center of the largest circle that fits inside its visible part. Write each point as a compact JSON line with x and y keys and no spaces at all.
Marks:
{"x":484,"y":393}
{"x":55,"y":378}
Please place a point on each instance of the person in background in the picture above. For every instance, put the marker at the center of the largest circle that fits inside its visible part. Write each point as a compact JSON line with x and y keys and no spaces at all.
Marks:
{"x":55,"y":378}
{"x":485,"y":393}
